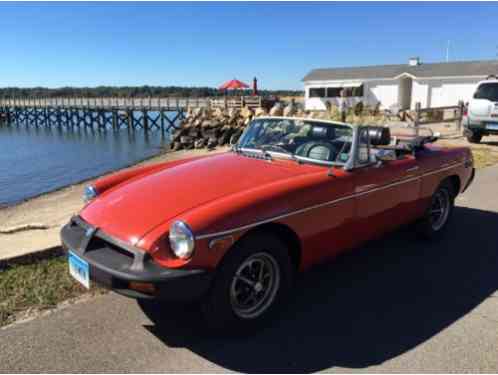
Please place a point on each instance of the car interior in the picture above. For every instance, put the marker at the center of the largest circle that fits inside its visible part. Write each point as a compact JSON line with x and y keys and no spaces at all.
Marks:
{"x":324,"y":142}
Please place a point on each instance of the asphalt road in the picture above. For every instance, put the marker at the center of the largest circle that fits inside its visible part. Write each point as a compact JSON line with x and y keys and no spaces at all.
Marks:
{"x":398,"y":304}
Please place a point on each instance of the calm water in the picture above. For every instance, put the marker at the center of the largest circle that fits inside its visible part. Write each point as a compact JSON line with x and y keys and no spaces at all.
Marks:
{"x":35,"y":161}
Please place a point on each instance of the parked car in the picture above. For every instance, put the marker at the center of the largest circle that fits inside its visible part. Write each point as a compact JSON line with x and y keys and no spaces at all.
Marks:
{"x":232,"y":229}
{"x":481,"y":117}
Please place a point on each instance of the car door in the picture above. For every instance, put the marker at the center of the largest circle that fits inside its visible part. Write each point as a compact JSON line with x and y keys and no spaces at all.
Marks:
{"x":386,"y":193}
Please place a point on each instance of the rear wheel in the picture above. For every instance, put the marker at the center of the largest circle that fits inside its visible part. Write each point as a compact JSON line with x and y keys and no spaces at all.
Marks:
{"x":251,"y":284}
{"x":474,"y":138}
{"x":438,"y":214}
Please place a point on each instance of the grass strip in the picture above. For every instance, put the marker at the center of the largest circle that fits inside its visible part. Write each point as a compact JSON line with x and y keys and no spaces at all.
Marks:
{"x":484,"y":157}
{"x":27,"y":288}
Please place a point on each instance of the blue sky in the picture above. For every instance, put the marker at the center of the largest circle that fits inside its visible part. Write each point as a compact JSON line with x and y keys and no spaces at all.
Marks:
{"x":204,"y":44}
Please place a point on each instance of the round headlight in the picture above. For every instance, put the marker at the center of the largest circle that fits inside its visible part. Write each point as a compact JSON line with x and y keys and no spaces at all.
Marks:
{"x":89,"y":193}
{"x":181,"y":240}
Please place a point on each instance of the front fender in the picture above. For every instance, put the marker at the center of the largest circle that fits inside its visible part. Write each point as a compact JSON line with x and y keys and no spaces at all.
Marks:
{"x":228,"y":212}
{"x":235,"y":214}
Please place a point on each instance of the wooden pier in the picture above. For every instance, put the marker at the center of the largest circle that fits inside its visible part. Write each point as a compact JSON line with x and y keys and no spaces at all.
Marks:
{"x":111,"y":113}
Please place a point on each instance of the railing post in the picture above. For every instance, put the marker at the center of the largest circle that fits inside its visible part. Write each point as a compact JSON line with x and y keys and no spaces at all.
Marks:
{"x":114,"y":118}
{"x":417,"y":117}
{"x":161,"y":114}
{"x":461,"y":108}
{"x":145,"y":114}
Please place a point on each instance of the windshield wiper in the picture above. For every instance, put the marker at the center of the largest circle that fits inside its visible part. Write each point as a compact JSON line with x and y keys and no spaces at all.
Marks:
{"x":275,"y":148}
{"x":279,"y":149}
{"x":252,"y":153}
{"x":266,"y":154}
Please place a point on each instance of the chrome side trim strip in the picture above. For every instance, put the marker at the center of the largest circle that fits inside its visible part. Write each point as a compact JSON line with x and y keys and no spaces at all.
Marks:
{"x":443,"y":169}
{"x":386,"y":186}
{"x":274,"y":218}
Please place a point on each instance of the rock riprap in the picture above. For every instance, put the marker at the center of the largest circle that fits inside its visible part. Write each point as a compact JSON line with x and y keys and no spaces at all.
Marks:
{"x":209,"y":128}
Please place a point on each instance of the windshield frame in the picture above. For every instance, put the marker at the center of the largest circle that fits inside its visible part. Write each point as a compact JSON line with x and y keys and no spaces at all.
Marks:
{"x":299,"y":158}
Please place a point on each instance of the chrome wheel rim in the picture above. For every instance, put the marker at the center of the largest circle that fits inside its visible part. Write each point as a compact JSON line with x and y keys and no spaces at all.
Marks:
{"x":254,"y":285}
{"x":440,"y":209}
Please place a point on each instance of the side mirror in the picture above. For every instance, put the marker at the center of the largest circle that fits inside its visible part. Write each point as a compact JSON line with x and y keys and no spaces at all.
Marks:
{"x":385,"y":155}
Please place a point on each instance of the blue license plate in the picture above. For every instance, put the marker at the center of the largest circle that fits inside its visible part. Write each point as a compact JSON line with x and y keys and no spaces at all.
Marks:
{"x":79,"y":269}
{"x":492,"y":126}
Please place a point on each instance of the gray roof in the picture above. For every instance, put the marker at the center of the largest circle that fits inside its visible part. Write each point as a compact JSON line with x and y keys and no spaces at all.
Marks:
{"x":444,"y":69}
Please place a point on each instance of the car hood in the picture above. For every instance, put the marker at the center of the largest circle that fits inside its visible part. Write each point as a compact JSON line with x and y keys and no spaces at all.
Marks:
{"x":133,"y":208}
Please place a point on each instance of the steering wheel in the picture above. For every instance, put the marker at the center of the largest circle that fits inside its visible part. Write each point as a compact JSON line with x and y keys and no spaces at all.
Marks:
{"x":318,"y":150}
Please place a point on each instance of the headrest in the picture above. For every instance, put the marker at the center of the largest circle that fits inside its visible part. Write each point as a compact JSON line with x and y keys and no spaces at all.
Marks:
{"x":379,"y":135}
{"x":319,"y":132}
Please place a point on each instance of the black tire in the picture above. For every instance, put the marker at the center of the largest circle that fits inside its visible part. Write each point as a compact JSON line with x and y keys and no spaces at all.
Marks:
{"x":474,"y":138}
{"x":220,"y":310}
{"x":432,"y":226}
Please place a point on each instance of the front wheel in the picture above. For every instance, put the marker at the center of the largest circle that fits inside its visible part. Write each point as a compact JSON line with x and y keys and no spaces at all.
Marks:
{"x":474,"y":137}
{"x":438,"y":214}
{"x":250,"y":286}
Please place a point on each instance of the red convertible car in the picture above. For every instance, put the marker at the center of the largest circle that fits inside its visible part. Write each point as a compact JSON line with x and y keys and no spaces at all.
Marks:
{"x":232,"y":229}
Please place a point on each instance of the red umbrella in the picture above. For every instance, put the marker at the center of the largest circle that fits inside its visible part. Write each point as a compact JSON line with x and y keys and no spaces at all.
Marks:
{"x":234,"y":84}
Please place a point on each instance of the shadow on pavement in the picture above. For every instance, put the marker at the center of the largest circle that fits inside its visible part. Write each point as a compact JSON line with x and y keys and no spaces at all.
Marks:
{"x":367,"y":307}
{"x":489,"y":143}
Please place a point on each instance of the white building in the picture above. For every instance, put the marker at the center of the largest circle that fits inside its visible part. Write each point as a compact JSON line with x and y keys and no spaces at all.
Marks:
{"x":433,"y":85}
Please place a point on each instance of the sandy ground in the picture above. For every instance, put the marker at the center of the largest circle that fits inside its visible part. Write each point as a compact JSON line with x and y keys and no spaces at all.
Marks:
{"x":34,"y":225}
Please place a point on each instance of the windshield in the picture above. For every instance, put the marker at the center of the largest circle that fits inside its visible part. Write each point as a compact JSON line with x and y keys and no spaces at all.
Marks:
{"x":487,"y":91}
{"x":301,"y":139}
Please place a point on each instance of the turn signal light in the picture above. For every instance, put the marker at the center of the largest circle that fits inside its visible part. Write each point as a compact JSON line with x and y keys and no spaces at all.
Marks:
{"x":142,"y":287}
{"x":221,"y":244}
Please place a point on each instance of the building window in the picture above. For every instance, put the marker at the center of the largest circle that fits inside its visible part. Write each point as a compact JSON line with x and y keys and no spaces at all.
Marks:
{"x":317,"y":92}
{"x":357,"y":91}
{"x":333,"y":92}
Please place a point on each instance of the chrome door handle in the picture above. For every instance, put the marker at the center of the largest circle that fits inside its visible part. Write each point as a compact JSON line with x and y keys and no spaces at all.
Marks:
{"x":412,"y":169}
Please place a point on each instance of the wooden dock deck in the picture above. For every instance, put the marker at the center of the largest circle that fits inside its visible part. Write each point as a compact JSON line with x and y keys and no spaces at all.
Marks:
{"x":111,"y":113}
